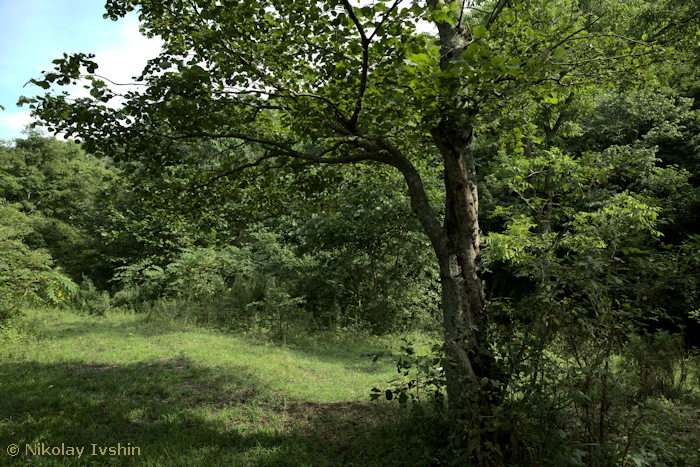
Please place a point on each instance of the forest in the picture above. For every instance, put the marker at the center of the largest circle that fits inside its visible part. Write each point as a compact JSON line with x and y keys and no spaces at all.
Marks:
{"x":317,"y":234}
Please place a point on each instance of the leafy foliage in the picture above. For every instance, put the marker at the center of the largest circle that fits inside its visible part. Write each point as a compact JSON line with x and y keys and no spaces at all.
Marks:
{"x":57,"y":184}
{"x":26,"y":273}
{"x":572,"y":380}
{"x":372,"y":263}
{"x":275,"y":88}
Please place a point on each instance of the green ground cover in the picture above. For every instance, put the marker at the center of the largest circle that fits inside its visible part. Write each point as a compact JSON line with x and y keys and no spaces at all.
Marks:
{"x":123,"y":389}
{"x":165,"y":393}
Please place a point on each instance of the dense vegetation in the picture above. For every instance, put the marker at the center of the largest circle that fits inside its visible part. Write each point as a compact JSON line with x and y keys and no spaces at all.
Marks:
{"x":255,"y":221}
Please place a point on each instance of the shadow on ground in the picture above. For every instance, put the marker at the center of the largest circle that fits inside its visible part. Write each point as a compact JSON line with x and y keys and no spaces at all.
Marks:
{"x":176,"y":412}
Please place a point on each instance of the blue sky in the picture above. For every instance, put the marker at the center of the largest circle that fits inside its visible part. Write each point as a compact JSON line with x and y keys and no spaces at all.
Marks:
{"x":35,"y":32}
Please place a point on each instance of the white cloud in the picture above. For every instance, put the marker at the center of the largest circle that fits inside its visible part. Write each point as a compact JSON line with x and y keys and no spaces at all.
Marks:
{"x":120,"y":64}
{"x":12,"y":125}
{"x":124,"y":60}
{"x":14,"y":122}
{"x":119,"y":60}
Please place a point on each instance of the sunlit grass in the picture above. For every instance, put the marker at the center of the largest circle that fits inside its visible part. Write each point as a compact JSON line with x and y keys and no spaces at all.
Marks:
{"x":184,"y":395}
{"x":299,"y":372}
{"x":188,"y":395}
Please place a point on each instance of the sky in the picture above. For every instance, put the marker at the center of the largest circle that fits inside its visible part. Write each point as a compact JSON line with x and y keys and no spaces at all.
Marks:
{"x":35,"y":32}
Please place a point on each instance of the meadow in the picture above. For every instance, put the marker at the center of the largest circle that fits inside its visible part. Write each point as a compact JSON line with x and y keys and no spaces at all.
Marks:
{"x":150,"y":389}
{"x":123,"y":389}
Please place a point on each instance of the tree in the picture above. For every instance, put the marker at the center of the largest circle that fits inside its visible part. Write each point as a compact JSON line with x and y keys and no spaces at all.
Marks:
{"x":326,"y":82}
{"x":373,"y":264}
{"x":56,"y":184}
{"x":25,"y":273}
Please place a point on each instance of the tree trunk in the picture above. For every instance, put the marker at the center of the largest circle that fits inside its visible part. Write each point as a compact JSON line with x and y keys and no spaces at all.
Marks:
{"x":465,"y":320}
{"x":456,"y":246}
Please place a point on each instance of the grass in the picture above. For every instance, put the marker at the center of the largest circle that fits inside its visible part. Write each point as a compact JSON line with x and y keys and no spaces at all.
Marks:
{"x":162,"y":393}
{"x":123,"y":390}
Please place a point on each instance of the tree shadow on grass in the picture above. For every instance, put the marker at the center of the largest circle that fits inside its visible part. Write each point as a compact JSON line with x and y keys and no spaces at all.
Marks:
{"x":166,"y":412}
{"x":140,"y":325}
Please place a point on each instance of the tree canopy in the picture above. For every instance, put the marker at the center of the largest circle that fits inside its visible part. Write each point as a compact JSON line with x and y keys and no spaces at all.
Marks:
{"x":294,"y":83}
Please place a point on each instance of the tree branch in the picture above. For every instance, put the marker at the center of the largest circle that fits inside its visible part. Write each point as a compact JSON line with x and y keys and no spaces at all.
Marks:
{"x":381,"y":23}
{"x":496,"y":12}
{"x":352,"y":123}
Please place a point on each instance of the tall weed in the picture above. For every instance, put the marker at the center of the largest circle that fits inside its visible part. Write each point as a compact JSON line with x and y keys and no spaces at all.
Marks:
{"x":658,"y":364}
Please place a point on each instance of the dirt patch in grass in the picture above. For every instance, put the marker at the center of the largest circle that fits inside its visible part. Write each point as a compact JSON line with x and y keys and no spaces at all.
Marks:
{"x":93,"y":368}
{"x":335,"y":423}
{"x":339,"y":411}
{"x":196,"y":387}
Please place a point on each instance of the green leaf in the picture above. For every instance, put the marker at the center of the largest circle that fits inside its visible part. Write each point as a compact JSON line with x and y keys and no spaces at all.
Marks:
{"x":41,"y":84}
{"x":485,"y":53}
{"x":513,"y":63}
{"x":469,"y":53}
{"x":559,"y":52}
{"x":479,"y":31}
{"x":367,"y":11}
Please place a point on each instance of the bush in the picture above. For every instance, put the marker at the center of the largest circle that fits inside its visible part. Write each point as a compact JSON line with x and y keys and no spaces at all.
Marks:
{"x":658,"y":364}
{"x":25,"y":273}
{"x":90,"y":300}
{"x":559,"y":390}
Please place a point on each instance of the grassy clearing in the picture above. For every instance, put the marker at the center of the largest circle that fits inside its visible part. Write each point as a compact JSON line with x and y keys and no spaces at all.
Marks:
{"x":162,"y":393}
{"x":125,"y":390}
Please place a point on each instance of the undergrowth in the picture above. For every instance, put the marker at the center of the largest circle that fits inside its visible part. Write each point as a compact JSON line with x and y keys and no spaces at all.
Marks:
{"x":186,"y":390}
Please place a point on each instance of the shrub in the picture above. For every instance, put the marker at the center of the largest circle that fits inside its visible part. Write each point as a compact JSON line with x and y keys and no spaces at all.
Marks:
{"x":90,"y":300}
{"x":658,"y":364}
{"x":25,"y":273}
